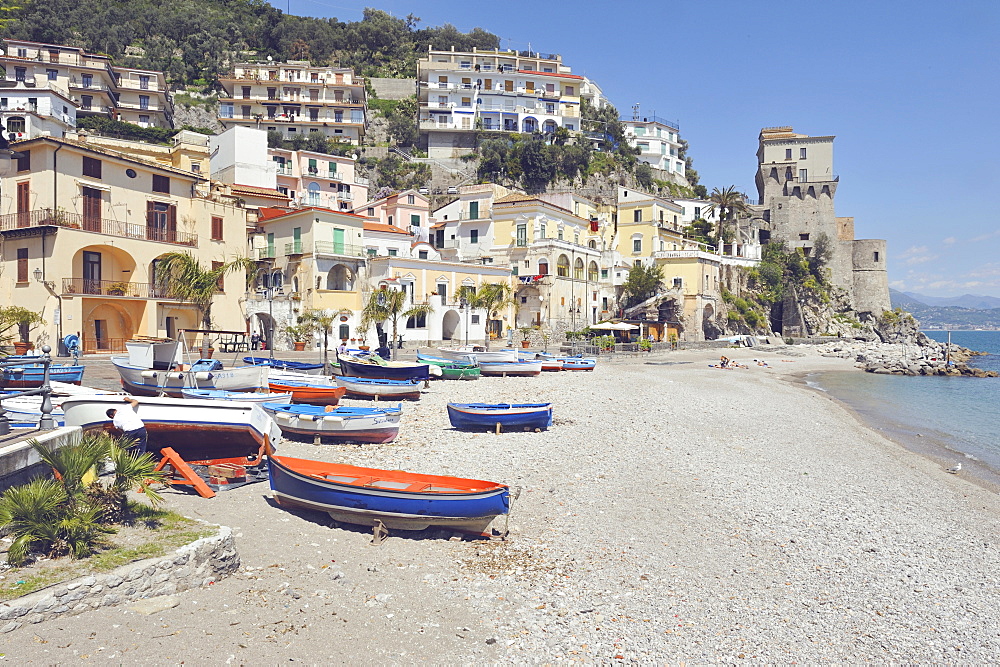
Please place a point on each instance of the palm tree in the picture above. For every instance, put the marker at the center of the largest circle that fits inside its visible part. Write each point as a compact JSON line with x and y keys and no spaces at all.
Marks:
{"x":727,"y":202}
{"x":322,"y":321}
{"x":182,"y":276}
{"x":390,"y":304}
{"x":491,"y":297}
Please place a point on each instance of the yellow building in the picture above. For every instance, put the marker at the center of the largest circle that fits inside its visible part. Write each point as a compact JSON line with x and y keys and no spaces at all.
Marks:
{"x":83,"y":227}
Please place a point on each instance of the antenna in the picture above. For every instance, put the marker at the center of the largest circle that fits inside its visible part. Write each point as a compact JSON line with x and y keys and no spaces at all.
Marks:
{"x":635,"y":111}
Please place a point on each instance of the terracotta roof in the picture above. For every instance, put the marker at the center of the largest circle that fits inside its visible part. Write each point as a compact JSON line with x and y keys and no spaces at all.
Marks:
{"x":257,"y":192}
{"x":381,"y":227}
{"x":416,"y":243}
{"x":515,"y":197}
{"x":268,"y":212}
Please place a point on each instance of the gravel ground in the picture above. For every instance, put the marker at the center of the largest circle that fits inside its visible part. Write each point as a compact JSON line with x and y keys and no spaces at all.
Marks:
{"x":673,"y":513}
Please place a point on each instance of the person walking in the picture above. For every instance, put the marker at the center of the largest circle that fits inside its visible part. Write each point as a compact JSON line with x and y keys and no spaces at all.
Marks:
{"x":255,"y":341}
{"x":128,"y":422}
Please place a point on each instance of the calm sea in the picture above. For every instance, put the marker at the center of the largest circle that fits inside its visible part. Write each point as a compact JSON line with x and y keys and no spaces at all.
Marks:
{"x":961,"y":414}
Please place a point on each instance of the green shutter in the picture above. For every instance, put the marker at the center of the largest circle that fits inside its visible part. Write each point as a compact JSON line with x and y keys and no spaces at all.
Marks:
{"x":474,"y":210}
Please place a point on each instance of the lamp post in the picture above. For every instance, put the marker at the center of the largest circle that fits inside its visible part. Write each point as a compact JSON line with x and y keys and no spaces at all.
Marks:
{"x":268,"y":292}
{"x":463,"y":305}
{"x":51,"y":287}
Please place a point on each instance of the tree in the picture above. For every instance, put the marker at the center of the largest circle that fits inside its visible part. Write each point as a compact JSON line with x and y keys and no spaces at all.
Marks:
{"x":642,"y":282}
{"x":727,"y":202}
{"x":182,"y":276}
{"x":644,"y":176}
{"x":537,"y":164}
{"x":491,"y":297}
{"x":390,"y":304}
{"x":321,"y":321}
{"x":19,"y":320}
{"x":401,"y":122}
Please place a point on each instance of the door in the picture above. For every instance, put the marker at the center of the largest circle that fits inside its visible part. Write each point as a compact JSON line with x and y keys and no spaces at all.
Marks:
{"x":91,"y":272}
{"x":92,"y":209}
{"x":171,"y":327}
{"x":101,"y":334}
{"x":338,"y":241}
{"x":23,"y":204}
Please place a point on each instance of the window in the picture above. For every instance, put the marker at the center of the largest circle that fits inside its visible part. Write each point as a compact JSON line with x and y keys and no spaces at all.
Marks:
{"x":592,"y":272}
{"x":422,"y":254}
{"x":697,"y":212}
{"x":143,"y":120}
{"x":220,"y":285}
{"x":788,"y":153}
{"x":22,"y":265}
{"x":875,"y":256}
{"x":636,"y":245}
{"x":91,"y":167}
{"x":393,"y":252}
{"x":475,"y":319}
{"x":144,"y":82}
{"x":541,"y":230}
{"x":87,"y":101}
{"x":442,"y":290}
{"x":414,"y":220}
{"x":568,"y":90}
{"x":473,"y":210}
{"x":604,"y":275}
{"x":144,"y":102}
{"x":678,"y":283}
{"x":410,"y":199}
{"x":313,"y":169}
{"x":24,"y":162}
{"x":559,"y":233}
{"x":802,"y":154}
{"x":474,"y":236}
{"x":803,"y":237}
{"x":522,"y":235}
{"x":562,"y":266}
{"x":637,"y":216}
{"x":417,"y":322}
{"x":52,"y":74}
{"x":803,"y":175}
{"x":514,"y":271}
{"x":216,"y":228}
{"x":161,"y":184}
{"x":20,"y":73}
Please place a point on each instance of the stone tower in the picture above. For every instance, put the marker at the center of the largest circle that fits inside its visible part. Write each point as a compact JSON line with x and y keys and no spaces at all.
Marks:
{"x":797,"y":186}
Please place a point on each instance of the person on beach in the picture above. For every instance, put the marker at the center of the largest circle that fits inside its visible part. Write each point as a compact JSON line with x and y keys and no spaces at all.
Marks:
{"x":128,"y":422}
{"x":724,"y":362}
{"x":342,"y":348}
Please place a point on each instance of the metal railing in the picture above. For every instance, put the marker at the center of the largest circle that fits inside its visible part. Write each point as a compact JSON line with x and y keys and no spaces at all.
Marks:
{"x":86,"y":286}
{"x":103,"y":345}
{"x":294,"y":248}
{"x":332,"y":248}
{"x":45,"y":421}
{"x":652,"y":119}
{"x":48,"y":217}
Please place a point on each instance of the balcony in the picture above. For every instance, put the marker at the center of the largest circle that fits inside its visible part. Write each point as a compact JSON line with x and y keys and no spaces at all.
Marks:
{"x":340,"y":249}
{"x":345,"y":196}
{"x":112,"y":288}
{"x":264,"y":254}
{"x":360,"y":180}
{"x":46,"y":217}
{"x":294,"y":248}
{"x":284,"y":170}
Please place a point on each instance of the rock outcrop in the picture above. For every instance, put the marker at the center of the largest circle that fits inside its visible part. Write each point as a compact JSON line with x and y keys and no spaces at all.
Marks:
{"x":928,"y":357}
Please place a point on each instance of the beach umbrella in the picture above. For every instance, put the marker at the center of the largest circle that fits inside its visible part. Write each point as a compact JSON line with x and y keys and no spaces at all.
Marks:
{"x":604,"y":326}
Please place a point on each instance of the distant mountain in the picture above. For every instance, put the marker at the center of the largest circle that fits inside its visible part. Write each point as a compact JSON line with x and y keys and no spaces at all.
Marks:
{"x":974,"y":301}
{"x":947,"y":317}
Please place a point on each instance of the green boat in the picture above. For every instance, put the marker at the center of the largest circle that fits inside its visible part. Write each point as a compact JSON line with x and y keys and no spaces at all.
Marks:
{"x":459,"y":372}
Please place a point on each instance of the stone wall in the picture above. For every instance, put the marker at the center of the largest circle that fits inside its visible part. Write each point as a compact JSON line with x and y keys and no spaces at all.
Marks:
{"x":197,"y":564}
{"x":19,"y":462}
{"x":394,"y":89}
{"x":871,"y":280}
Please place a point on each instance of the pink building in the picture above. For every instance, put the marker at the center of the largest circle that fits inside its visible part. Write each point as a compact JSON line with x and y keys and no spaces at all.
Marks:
{"x":317,"y":179}
{"x":408,"y":210}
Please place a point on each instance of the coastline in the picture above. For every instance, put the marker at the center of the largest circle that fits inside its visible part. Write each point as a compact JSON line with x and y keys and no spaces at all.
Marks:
{"x":674,"y":512}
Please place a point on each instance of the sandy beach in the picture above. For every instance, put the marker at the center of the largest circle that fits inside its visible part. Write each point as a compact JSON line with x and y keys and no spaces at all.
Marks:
{"x":674,"y":512}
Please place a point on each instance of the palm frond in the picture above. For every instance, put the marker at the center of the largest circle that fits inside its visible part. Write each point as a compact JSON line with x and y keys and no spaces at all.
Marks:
{"x":71,"y":464}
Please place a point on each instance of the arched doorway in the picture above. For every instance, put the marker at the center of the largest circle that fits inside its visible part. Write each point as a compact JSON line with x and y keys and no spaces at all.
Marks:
{"x":450,"y":325}
{"x":340,"y":278}
{"x":708,"y":325}
{"x":529,"y":125}
{"x":264,"y":325}
{"x":107,"y":325}
{"x":529,"y":306}
{"x":543,"y":267}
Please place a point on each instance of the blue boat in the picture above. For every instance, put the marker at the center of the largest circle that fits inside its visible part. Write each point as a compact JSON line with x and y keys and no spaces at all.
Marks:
{"x":510,"y":416}
{"x":297,"y":366}
{"x":340,"y":424}
{"x":394,"y":498}
{"x":373,"y":366}
{"x":578,"y":363}
{"x":30,"y":375}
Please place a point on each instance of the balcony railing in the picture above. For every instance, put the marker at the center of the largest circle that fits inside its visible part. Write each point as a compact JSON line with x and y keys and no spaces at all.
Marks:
{"x":344,"y":249}
{"x":264,"y":253}
{"x":360,"y":180}
{"x":47,"y":217}
{"x":87,"y":286}
{"x":294,"y":248}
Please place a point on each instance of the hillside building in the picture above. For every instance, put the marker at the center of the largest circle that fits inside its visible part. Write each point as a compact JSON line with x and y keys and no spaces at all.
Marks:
{"x":658,"y":141}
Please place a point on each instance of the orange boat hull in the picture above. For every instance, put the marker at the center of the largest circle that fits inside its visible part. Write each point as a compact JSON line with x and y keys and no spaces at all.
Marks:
{"x":311,"y":395}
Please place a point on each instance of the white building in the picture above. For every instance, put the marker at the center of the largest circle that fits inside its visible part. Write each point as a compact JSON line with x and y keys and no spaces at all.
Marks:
{"x":658,"y":141}
{"x":28,"y":113}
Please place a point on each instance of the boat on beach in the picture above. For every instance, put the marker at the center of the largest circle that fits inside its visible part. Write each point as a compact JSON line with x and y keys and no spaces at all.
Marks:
{"x":509,"y":416}
{"x":197,"y":429}
{"x":516,"y":368}
{"x":32,"y":374}
{"x":550,"y":362}
{"x":250,"y":397}
{"x":203,"y":374}
{"x":378,"y":389}
{"x":340,"y":424}
{"x":373,"y":366}
{"x":319,"y":392}
{"x":294,"y":366}
{"x":479,"y":352}
{"x":450,"y":369}
{"x":578,"y":363}
{"x":397,"y":499}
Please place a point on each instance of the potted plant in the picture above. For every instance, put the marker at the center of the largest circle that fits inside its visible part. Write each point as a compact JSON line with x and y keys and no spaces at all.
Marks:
{"x":525,"y":335}
{"x":117,"y":288}
{"x":21,"y":320}
{"x":297,"y":332}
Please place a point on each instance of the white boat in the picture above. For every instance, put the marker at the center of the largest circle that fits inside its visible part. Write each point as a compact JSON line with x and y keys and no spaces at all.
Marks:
{"x":517,"y":368}
{"x":379,"y":389}
{"x":481,"y":354}
{"x":340,"y":424}
{"x":248,"y":396}
{"x":197,"y":429}
{"x":28,"y":409}
{"x":204,"y":374}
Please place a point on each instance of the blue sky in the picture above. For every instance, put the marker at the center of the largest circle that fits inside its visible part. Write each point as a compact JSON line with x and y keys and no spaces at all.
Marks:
{"x":911,"y":90}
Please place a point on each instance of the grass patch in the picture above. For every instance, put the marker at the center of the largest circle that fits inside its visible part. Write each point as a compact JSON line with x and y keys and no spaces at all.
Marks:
{"x":153,"y":532}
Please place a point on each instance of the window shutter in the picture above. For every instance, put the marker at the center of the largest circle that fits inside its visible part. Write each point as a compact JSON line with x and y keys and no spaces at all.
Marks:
{"x":150,"y":214}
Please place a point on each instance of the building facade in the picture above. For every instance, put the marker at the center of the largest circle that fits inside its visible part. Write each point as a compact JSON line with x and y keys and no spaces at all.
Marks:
{"x":310,"y":178}
{"x":658,"y":141}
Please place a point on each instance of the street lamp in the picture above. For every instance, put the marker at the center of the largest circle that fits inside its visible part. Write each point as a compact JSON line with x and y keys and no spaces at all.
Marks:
{"x":268,"y":292}
{"x":463,"y":305}
{"x":51,"y":286}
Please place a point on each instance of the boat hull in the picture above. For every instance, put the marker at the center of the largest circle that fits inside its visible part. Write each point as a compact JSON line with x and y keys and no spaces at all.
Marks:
{"x":294,"y":366}
{"x":340,"y":425}
{"x":148,"y":382}
{"x":198,"y":430}
{"x":577,"y":364}
{"x":460,"y":372}
{"x":481,"y":355}
{"x":223,"y":395}
{"x":485,"y":416}
{"x":307,"y":484}
{"x":31,"y":377}
{"x":375,"y":390}
{"x":309,"y":394}
{"x":515,"y":368}
{"x":377,"y":372}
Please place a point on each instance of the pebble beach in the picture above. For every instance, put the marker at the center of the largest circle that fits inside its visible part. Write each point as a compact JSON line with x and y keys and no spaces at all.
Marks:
{"x":673,"y":513}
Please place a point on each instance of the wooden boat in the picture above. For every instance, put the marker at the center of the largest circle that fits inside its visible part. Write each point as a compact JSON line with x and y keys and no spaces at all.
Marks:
{"x":549,"y":362}
{"x":204,"y":374}
{"x":341,"y":424}
{"x":31,"y":375}
{"x":377,"y":368}
{"x":28,"y":409}
{"x":313,"y":393}
{"x":460,"y":372}
{"x":250,"y":397}
{"x":198,"y":430}
{"x":398,"y":500}
{"x":481,"y":354}
{"x":432,"y":360}
{"x":578,"y":363}
{"x":294,"y":366}
{"x":372,"y":388}
{"x":505,"y":368}
{"x":486,"y":416}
